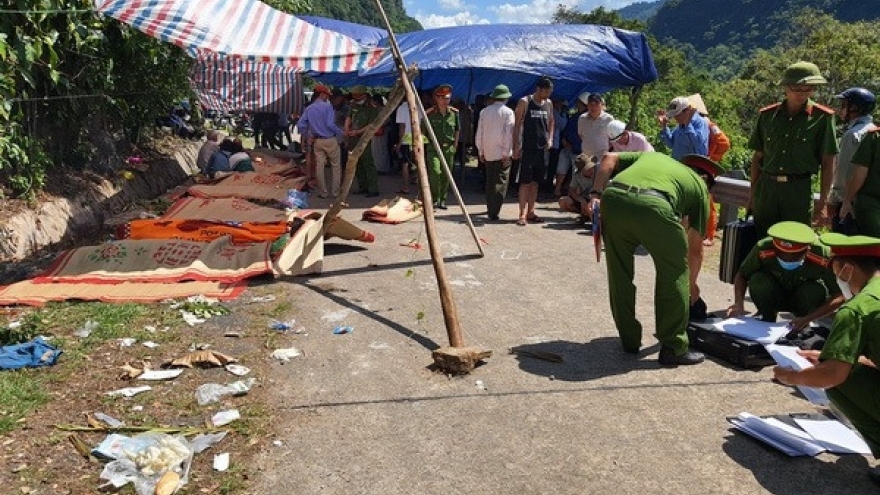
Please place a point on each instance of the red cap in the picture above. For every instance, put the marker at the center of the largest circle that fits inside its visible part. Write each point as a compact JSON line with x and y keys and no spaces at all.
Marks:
{"x":321,"y":89}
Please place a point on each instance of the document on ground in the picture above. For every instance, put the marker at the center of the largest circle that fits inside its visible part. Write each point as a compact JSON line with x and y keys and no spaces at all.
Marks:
{"x":786,"y":438}
{"x":751,"y":329}
{"x":834,"y":436}
{"x":788,"y":357}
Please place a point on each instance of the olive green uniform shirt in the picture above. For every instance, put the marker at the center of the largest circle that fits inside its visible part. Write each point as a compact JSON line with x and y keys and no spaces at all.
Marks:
{"x":361,"y":116}
{"x":794,"y":144}
{"x":445,"y":127}
{"x":856,"y":328}
{"x":686,"y":191}
{"x":763,"y":258}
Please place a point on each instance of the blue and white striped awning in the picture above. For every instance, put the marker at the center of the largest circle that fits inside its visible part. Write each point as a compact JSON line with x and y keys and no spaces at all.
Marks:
{"x":243,"y":29}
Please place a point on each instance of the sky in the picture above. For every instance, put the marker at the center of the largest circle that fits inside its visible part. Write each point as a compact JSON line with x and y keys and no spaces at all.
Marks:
{"x":442,"y":13}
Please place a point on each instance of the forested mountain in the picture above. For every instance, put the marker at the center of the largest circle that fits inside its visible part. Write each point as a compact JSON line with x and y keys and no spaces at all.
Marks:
{"x":364,"y":12}
{"x":746,"y":24}
{"x":641,"y":11}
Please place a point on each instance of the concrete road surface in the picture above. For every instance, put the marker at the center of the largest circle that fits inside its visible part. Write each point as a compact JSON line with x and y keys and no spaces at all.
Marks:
{"x":363,"y":414}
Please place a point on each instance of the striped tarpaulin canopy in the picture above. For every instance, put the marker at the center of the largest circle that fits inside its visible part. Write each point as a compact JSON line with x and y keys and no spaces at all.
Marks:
{"x":234,"y":85}
{"x":245,"y":29}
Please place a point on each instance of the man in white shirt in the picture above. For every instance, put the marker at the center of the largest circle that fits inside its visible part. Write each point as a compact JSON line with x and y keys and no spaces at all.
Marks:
{"x":494,"y":141}
{"x":592,"y":127}
{"x":625,"y":140}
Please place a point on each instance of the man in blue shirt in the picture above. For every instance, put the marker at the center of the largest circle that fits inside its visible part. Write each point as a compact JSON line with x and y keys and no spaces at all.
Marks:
{"x":690,"y":136}
{"x":318,"y":129}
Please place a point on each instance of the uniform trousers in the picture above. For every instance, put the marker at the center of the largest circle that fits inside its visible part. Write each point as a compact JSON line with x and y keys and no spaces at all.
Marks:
{"x":631,"y":219}
{"x":770,"y":297}
{"x":366,"y":174}
{"x":774,"y":202}
{"x":858,"y":398}
{"x":437,"y":177}
{"x":867,"y":212}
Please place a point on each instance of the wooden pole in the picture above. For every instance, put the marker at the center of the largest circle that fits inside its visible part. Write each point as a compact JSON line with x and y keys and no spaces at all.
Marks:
{"x":448,"y":171}
{"x":447,"y":302}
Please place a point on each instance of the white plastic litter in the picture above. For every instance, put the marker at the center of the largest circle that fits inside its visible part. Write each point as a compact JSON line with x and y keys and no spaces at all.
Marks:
{"x":263,"y":299}
{"x":225,"y":417}
{"x":191,"y":319}
{"x":127,"y":342}
{"x":160,"y":374}
{"x":129,"y":391}
{"x":203,"y":442}
{"x":285,"y":355}
{"x":150,"y":344}
{"x":145,"y":458}
{"x":210,"y":393}
{"x":237,"y":369}
{"x":109,"y":420}
{"x":221,"y":462}
{"x":480,"y":385}
{"x":86,"y":330}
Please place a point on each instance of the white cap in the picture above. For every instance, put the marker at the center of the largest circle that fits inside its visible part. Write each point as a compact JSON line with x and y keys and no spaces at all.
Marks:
{"x":677,"y":105}
{"x":584,"y":97}
{"x":615,"y":129}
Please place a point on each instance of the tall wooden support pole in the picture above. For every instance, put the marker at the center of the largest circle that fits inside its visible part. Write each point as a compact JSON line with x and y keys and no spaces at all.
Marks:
{"x":458,"y":359}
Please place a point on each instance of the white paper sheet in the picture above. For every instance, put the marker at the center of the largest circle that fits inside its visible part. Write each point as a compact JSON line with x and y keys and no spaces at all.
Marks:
{"x":752,"y":329}
{"x":788,"y":357}
{"x":834,"y":436}
{"x":784,"y":437}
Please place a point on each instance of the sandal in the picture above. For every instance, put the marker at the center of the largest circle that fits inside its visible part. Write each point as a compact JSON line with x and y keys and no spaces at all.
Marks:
{"x":535,"y":219}
{"x":522,"y":222}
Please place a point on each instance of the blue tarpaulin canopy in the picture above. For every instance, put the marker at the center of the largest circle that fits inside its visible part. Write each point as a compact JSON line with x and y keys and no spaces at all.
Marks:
{"x":474,"y":59}
{"x":365,"y":35}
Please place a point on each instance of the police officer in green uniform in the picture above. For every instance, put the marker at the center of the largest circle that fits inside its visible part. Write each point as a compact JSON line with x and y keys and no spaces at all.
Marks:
{"x":656,"y":202}
{"x":787,"y":271}
{"x":847,"y":364}
{"x":862,"y":197}
{"x":790,"y":142}
{"x":360,"y":115}
{"x":444,"y":120}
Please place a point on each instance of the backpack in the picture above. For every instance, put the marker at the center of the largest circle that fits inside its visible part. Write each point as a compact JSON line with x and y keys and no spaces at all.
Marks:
{"x":719,"y":143}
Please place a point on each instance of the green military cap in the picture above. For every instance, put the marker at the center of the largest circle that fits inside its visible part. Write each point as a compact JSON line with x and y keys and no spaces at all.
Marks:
{"x":358,"y":90}
{"x":703,"y":164}
{"x":501,"y":92}
{"x":791,"y":237}
{"x":802,"y":73}
{"x":851,"y":245}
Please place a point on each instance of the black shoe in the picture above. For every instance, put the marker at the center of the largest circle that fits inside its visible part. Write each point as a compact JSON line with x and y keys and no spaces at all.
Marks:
{"x":667,"y":357}
{"x":698,"y":311}
{"x":493,"y":218}
{"x":631,"y":350}
{"x":442,"y":205}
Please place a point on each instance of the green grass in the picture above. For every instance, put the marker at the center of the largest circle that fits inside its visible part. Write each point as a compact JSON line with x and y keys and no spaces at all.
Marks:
{"x":24,"y":391}
{"x":21,"y":392}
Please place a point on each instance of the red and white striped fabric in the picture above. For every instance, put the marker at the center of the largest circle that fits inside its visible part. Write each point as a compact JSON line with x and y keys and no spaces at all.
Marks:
{"x":234,"y":85}
{"x":244,"y":29}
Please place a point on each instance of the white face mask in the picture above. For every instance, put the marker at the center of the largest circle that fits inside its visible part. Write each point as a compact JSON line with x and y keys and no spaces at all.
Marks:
{"x":843,"y":283}
{"x":844,"y":287}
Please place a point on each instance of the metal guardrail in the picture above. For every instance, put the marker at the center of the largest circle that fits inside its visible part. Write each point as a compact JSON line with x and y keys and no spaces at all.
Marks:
{"x":733,"y":194}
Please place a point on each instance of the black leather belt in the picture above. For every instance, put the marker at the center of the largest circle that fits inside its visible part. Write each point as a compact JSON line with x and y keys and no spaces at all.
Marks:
{"x":322,"y":137}
{"x":639,"y":190}
{"x":786,"y":177}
